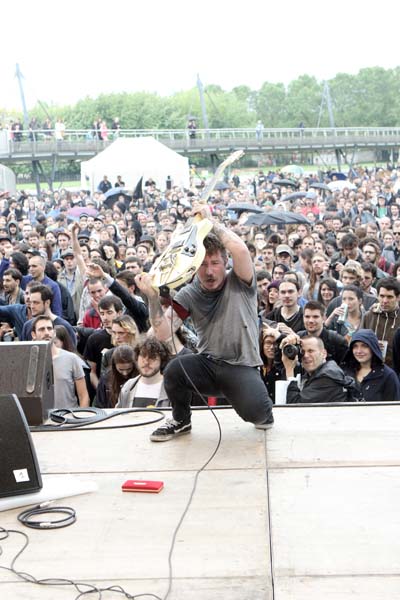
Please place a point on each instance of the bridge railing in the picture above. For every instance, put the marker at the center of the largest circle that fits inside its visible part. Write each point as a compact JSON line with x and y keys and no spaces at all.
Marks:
{"x":81,"y":141}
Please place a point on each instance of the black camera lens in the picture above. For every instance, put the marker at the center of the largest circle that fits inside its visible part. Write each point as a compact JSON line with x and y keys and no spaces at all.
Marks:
{"x":291,"y":351}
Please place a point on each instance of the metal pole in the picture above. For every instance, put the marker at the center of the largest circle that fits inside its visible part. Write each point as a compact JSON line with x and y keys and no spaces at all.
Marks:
{"x":19,"y":76}
{"x":203,"y":104}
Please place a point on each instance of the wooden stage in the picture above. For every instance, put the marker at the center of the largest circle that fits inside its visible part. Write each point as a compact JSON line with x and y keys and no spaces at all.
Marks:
{"x":309,"y":510}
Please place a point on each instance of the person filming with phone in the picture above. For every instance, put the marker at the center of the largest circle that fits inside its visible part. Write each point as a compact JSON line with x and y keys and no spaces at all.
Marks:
{"x":323,"y":381}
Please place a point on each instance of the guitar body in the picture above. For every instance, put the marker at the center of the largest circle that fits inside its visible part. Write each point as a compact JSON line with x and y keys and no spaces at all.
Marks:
{"x":185,"y":253}
{"x":180,"y":261}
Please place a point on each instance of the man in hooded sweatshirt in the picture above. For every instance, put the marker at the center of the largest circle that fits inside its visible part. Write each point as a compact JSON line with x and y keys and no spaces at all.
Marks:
{"x":384,"y":317}
{"x":375,"y":381}
{"x":323,"y":381}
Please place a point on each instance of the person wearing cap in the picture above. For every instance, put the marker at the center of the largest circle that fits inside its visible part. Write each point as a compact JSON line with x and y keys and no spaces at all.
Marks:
{"x":284,"y":255}
{"x":98,"y":223}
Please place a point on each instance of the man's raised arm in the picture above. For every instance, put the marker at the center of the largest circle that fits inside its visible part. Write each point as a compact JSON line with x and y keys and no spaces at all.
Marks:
{"x":162,"y":323}
{"x":241,"y":259}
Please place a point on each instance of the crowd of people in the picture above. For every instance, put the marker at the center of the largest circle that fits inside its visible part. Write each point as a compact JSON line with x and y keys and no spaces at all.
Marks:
{"x":49,"y":128}
{"x":314,"y":304}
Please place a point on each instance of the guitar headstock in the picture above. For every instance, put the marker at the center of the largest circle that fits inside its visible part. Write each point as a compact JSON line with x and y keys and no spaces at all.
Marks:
{"x":221,"y":168}
{"x":231,"y":159}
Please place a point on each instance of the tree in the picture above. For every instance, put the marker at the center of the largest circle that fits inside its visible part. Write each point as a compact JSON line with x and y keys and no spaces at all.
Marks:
{"x":270,"y":104}
{"x":303,"y":102}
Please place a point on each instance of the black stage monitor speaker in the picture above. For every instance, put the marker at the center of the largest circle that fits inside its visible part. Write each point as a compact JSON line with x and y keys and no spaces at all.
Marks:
{"x":19,"y":470}
{"x":27,"y":370}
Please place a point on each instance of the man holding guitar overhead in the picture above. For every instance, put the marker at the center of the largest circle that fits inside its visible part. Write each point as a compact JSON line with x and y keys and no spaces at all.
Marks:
{"x":223,"y":308}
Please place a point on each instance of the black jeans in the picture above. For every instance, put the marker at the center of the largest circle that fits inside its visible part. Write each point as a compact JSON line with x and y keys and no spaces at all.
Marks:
{"x":242,"y":386}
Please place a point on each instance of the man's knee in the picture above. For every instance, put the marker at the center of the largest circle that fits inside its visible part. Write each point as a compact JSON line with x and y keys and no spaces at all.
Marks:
{"x":254,"y":408}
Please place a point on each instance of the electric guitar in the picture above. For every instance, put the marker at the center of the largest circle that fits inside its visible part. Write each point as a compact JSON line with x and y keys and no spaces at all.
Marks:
{"x":182,"y":258}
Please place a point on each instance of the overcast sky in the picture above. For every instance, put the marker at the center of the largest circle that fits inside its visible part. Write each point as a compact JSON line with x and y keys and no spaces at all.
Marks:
{"x":68,"y":50}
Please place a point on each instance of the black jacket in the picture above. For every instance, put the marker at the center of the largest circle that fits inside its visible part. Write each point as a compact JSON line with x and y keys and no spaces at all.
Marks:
{"x":382,"y":383}
{"x":327,"y":384}
{"x":335,"y":344}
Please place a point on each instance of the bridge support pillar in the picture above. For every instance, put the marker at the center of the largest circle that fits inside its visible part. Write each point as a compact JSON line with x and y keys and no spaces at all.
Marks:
{"x":35,"y":168}
{"x":338,"y":161}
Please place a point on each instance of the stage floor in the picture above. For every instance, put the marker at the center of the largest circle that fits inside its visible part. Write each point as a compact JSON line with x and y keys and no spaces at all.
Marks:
{"x":308,"y":510}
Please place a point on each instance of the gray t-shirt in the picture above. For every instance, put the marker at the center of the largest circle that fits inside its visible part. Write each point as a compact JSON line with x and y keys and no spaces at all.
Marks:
{"x":67,"y":368}
{"x":226,"y":320}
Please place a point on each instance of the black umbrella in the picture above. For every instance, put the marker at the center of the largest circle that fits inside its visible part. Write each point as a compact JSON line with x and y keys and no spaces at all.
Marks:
{"x":294,"y":196}
{"x":320,"y":186}
{"x":276,"y":217}
{"x":337,"y":175}
{"x":113,"y":195}
{"x":221,"y":186}
{"x":241,"y":207}
{"x":286,"y":182}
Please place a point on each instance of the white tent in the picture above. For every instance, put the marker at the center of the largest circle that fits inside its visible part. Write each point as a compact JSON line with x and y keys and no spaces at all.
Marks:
{"x":133,"y":158}
{"x":7,"y":180}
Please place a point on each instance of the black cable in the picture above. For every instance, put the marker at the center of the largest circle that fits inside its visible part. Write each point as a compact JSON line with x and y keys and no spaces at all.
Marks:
{"x":76,"y":422}
{"x":68,"y":424}
{"x":82,"y":587}
{"x":25,"y":517}
{"x":194,"y":487}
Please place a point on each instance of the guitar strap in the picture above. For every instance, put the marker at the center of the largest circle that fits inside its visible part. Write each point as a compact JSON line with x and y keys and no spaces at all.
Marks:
{"x":180,"y":311}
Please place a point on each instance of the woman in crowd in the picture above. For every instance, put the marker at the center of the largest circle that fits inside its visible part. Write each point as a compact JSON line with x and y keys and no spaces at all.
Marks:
{"x":347,"y":324}
{"x":110,"y":253}
{"x":123,"y":331}
{"x":123,"y":367}
{"x":327,"y":291}
{"x":375,"y":381}
{"x":269,"y":373}
{"x":396,"y":270}
{"x":318,"y":271}
{"x":279,"y":271}
{"x":272,"y":295}
{"x":330,"y":247}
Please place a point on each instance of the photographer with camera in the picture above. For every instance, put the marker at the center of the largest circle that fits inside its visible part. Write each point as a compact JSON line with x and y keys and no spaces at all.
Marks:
{"x":323,"y":381}
{"x":335,"y":345}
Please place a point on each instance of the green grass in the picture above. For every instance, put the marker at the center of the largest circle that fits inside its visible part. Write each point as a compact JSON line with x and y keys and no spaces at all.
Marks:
{"x":244,"y":173}
{"x":44,"y":186}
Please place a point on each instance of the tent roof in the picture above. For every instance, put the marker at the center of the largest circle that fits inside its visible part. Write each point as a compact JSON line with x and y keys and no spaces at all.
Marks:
{"x":133,"y":158}
{"x":128,"y":149}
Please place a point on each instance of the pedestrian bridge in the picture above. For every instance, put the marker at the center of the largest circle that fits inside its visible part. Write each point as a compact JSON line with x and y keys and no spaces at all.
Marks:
{"x":84,"y":144}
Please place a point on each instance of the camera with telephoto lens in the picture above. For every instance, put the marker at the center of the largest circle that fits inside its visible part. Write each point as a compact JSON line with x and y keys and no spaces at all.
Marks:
{"x":291,"y":351}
